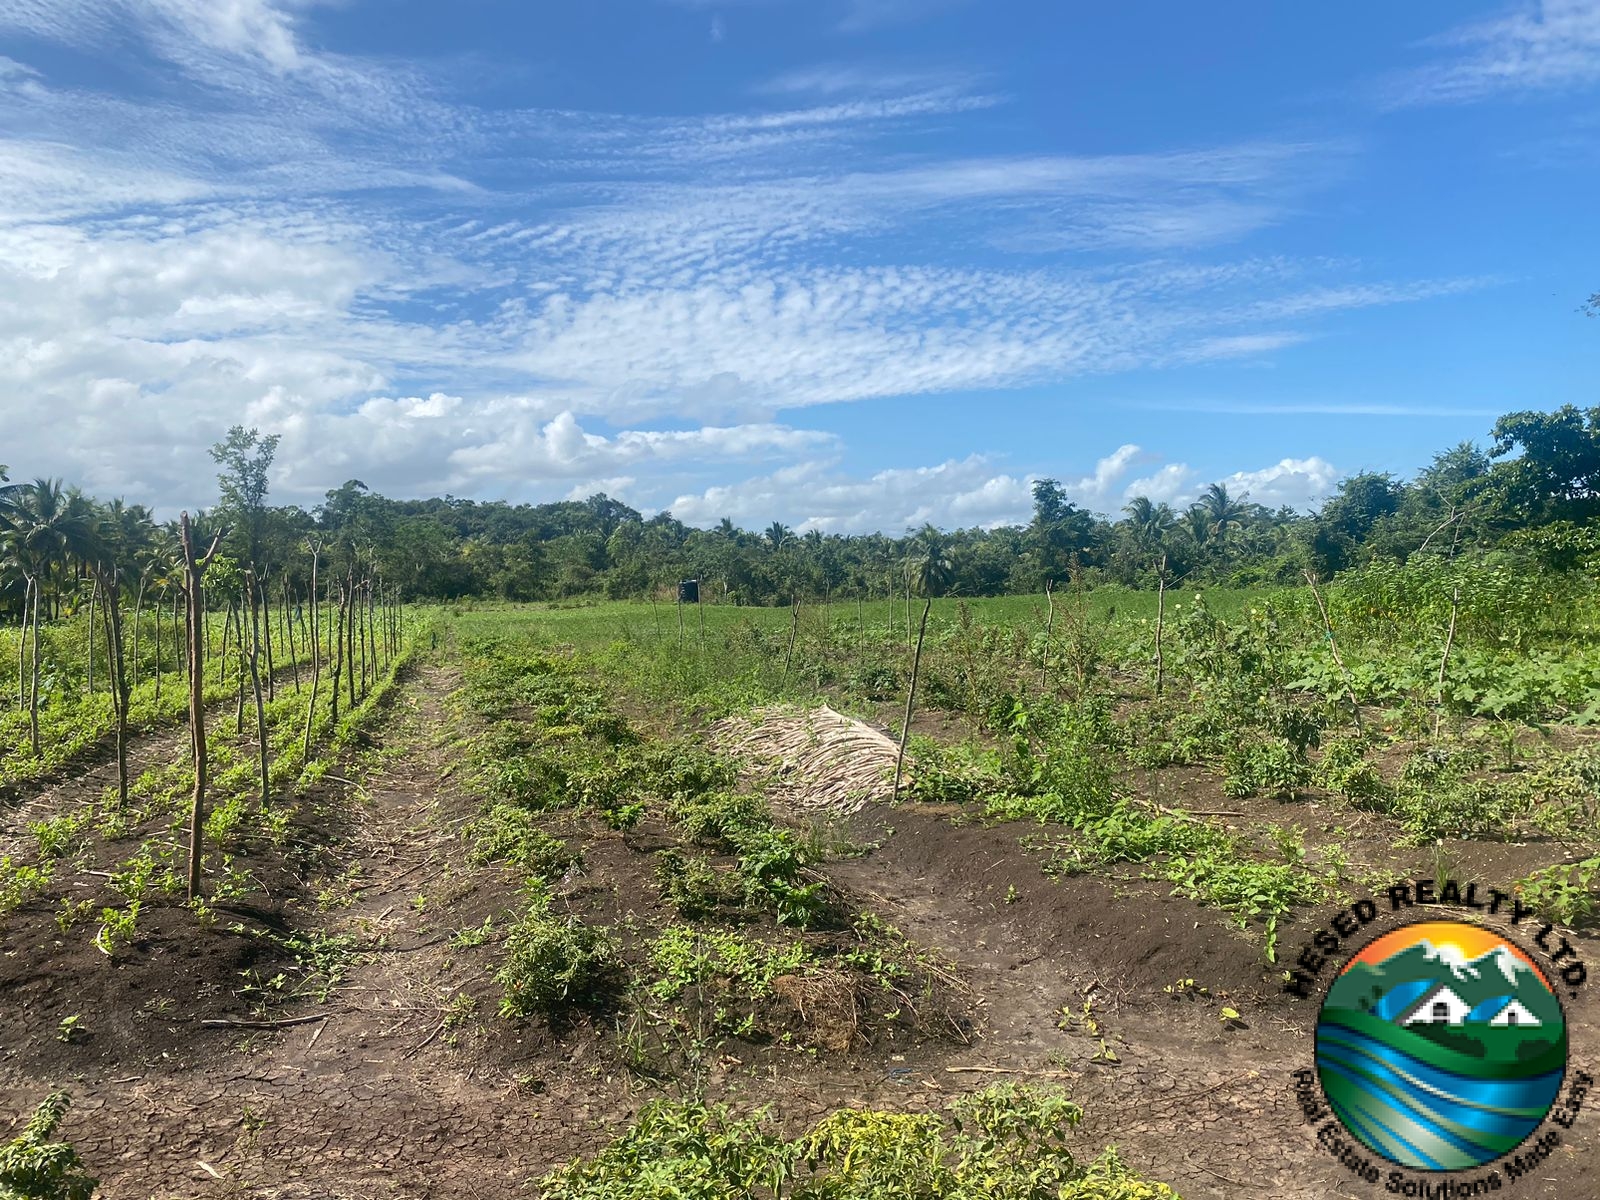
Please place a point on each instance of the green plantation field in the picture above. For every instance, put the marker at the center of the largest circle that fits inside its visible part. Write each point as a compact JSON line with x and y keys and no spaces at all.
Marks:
{"x":1521,"y":646}
{"x":1453,"y":704}
{"x":951,"y":858}
{"x":537,"y":797}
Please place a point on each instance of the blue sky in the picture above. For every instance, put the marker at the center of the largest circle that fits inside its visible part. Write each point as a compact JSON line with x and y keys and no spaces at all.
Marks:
{"x":849,"y":264}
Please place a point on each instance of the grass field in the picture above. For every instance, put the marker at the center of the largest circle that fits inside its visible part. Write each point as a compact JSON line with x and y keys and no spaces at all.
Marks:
{"x":530,"y":858}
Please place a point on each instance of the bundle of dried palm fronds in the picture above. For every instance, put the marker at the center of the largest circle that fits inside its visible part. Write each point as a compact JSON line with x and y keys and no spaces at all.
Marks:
{"x":819,"y":759}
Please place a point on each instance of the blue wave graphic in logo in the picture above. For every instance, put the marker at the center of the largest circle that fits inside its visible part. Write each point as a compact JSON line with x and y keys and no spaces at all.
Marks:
{"x":1419,"y":1115}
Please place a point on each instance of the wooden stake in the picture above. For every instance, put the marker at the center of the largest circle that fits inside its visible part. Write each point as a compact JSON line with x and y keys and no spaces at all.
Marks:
{"x":252,"y":585}
{"x":1333,"y":645}
{"x":94,"y":594}
{"x":1449,"y":641}
{"x":794,"y":628}
{"x":33,"y":701}
{"x":911,"y":696}
{"x":193,"y":572}
{"x":1161,"y":613}
{"x":1049,"y":631}
{"x":316,"y":652}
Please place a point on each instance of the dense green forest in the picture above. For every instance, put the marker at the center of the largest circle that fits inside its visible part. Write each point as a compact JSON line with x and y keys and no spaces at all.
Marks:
{"x":1532,"y":494}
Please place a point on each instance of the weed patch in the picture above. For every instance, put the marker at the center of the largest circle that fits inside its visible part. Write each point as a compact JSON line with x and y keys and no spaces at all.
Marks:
{"x":1006,"y":1142}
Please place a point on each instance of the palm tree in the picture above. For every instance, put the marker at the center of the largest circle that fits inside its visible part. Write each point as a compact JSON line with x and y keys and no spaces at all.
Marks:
{"x":46,"y":529}
{"x":1222,"y":511}
{"x":929,"y":567}
{"x":1195,"y":524}
{"x":778,"y":536}
{"x":1150,"y":522}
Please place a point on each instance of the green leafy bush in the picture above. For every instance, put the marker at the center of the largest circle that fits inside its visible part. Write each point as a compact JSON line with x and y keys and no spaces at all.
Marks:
{"x":1274,"y":766}
{"x":506,"y":833}
{"x":715,"y":816}
{"x":1345,"y":771}
{"x":773,"y":863}
{"x":1566,"y":893}
{"x":692,"y":886}
{"x":1129,"y":833}
{"x":1004,"y":1143}
{"x":553,"y":963}
{"x":1246,"y":888}
{"x":684,"y":957}
{"x":33,"y":1167}
{"x":1465,"y":809}
{"x":19,"y":882}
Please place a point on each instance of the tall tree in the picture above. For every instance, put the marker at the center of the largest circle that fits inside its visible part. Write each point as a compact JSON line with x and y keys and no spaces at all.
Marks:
{"x":245,"y":457}
{"x":1223,"y":512}
{"x":1061,"y":533}
{"x":928,"y":562}
{"x":1556,"y":477}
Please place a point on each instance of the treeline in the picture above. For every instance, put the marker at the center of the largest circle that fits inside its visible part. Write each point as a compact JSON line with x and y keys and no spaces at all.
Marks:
{"x":1535,"y":491}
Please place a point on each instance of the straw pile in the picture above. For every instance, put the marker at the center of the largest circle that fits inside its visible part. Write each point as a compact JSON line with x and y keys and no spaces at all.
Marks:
{"x":820,"y":760}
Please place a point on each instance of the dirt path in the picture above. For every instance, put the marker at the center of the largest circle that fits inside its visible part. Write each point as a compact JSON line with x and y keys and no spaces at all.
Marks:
{"x":373,"y":1101}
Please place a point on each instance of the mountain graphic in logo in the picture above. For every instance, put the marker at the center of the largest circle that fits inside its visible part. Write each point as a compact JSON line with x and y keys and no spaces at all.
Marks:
{"x":1441,"y":1046}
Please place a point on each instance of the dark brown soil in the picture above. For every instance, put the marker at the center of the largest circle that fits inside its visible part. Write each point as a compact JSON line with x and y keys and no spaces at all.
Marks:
{"x":411,"y":1086}
{"x":1206,"y":1107}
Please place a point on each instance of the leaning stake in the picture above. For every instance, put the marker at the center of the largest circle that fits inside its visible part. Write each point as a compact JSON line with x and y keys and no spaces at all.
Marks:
{"x":911,"y":696}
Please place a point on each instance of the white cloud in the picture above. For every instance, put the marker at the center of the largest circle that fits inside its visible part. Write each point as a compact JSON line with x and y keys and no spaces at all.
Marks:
{"x":434,"y":296}
{"x":1533,"y":45}
{"x":1098,"y":491}
{"x":1172,"y":484}
{"x":618,"y":487}
{"x":1352,"y":296}
{"x":1297,"y":482}
{"x":962,"y":493}
{"x":132,"y":344}
{"x":1242,"y":345}
{"x":856,"y":78}
{"x":14,"y":73}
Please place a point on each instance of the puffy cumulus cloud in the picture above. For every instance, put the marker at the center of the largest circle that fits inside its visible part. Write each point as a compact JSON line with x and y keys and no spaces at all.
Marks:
{"x":962,"y":493}
{"x":1101,"y":490}
{"x":1297,"y":482}
{"x":1171,"y":484}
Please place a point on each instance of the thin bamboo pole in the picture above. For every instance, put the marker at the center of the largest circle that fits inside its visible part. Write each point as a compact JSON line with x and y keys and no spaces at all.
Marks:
{"x":911,"y":697}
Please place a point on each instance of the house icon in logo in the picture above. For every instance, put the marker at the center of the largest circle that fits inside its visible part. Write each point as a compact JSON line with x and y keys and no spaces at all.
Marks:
{"x":1440,"y":1005}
